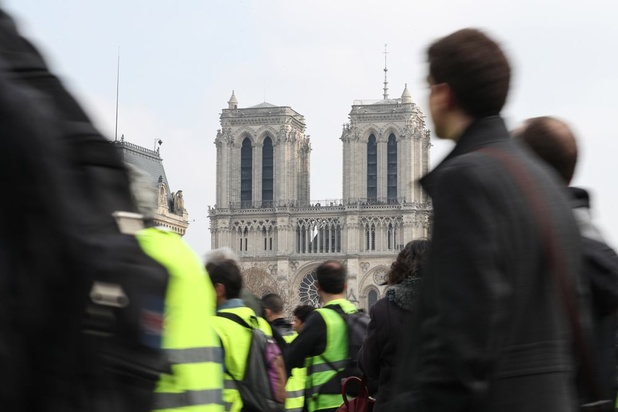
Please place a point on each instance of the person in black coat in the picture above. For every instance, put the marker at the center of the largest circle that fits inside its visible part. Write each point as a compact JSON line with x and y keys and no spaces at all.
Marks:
{"x":378,"y":355}
{"x":491,"y":332}
{"x":554,"y":142}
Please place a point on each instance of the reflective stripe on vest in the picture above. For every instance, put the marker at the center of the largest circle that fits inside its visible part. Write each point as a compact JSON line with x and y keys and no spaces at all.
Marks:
{"x":319,"y":372}
{"x":165,"y":400}
{"x":189,"y":339}
{"x":194,"y":355}
{"x":295,"y":387}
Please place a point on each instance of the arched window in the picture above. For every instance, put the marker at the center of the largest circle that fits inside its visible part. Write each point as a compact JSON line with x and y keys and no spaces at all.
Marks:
{"x":246,"y":173}
{"x":391,"y":173}
{"x":372,"y":298}
{"x":308,"y":293}
{"x":267,"y":173}
{"x":370,"y":237}
{"x":372,"y":169}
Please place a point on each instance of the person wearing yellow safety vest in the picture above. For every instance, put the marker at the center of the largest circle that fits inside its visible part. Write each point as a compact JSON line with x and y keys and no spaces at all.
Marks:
{"x":236,"y":339}
{"x":295,"y":386}
{"x":193,"y":348}
{"x":322,"y":346}
{"x":188,"y":336}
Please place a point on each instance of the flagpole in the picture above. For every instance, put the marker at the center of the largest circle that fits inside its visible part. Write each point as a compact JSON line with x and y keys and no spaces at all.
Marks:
{"x":117,"y":90}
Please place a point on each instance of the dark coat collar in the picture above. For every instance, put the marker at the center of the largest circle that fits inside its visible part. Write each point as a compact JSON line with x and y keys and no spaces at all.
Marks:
{"x":480,"y":133}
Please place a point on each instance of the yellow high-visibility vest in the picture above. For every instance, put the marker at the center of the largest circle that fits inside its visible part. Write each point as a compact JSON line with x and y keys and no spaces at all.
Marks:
{"x":320,"y":368}
{"x":295,"y":387}
{"x":189,"y":337}
{"x":236,"y":340}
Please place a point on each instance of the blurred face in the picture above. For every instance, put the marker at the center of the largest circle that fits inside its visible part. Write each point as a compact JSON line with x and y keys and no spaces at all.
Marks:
{"x":297,"y":324}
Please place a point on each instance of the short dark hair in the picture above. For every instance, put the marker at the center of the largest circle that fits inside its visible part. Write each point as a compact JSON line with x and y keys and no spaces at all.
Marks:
{"x":553,"y":141}
{"x":409,"y":262}
{"x":227,"y":273}
{"x":475,"y":68}
{"x":331,"y":276}
{"x":273,"y":302}
{"x":302,"y":312}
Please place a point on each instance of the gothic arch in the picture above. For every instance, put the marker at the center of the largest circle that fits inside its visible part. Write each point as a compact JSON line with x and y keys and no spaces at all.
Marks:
{"x":302,"y":272}
{"x":365,"y":296}
{"x":368,"y":131}
{"x":369,"y":280}
{"x":266,"y":131}
{"x":259,"y":282}
{"x":391,"y":128}
{"x":242,"y":134}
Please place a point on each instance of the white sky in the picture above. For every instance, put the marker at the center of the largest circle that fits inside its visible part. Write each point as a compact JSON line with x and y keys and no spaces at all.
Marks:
{"x":181,"y":60}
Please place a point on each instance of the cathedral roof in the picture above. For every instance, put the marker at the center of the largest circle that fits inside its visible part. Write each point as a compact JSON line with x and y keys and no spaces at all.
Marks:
{"x":262,"y":105}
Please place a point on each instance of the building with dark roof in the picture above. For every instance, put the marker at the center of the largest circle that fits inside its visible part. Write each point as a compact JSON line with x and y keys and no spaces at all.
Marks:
{"x":170,"y":212}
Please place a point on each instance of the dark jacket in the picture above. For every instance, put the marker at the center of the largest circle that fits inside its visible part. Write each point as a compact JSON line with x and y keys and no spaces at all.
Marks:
{"x":491,"y":333}
{"x":600,"y":269}
{"x":378,"y":356}
{"x":68,"y":350}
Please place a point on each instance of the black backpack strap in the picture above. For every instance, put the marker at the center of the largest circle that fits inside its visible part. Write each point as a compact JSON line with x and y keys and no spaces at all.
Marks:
{"x":235,"y":318}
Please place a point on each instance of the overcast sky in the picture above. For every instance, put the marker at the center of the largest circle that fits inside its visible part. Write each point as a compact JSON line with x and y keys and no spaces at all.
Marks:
{"x":180,"y":61}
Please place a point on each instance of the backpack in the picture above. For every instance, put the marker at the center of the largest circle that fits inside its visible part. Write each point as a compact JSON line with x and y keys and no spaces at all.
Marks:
{"x":356,"y":325}
{"x":262,"y":388}
{"x":85,"y":312}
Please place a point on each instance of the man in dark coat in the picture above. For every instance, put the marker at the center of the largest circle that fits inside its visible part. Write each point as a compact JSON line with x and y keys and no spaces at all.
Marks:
{"x":78,"y":295}
{"x":491,"y":332}
{"x":553,"y":141}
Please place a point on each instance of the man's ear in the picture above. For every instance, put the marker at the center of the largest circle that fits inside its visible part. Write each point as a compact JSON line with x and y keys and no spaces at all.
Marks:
{"x":268,"y":312}
{"x":317,"y":286}
{"x":220,"y":290}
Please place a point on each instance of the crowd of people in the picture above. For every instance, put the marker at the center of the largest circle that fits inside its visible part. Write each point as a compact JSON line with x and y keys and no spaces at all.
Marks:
{"x":511,"y":305}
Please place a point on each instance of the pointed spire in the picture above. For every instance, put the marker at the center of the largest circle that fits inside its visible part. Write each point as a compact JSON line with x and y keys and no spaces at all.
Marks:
{"x":406,"y":96}
{"x":385,"y":72}
{"x":232,"y":103}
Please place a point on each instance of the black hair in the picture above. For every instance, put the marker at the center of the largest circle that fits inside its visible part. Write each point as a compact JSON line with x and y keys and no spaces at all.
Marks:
{"x":475,"y":68}
{"x":273,"y":302}
{"x":227,"y":273}
{"x":302,"y":312}
{"x":331,"y":276}
{"x":409,"y":262}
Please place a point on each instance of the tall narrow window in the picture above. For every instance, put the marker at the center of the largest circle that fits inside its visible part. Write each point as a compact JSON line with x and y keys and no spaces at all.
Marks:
{"x":372,"y":170}
{"x":246,"y":172}
{"x":391,"y":173}
{"x":267,"y":173}
{"x":372,"y":298}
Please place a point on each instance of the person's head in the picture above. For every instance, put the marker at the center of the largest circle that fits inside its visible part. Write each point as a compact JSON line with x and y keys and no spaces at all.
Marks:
{"x":331,"y":279}
{"x":300,"y":315}
{"x":409,"y":262}
{"x":469,"y":77}
{"x":226,"y":278}
{"x":273,"y":306}
{"x":553,"y":141}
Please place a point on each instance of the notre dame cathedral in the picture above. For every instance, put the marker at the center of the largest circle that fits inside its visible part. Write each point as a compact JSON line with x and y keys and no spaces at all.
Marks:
{"x":264,"y":209}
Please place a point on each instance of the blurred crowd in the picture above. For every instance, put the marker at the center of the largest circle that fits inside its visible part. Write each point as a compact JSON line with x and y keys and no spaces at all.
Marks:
{"x":510,"y":305}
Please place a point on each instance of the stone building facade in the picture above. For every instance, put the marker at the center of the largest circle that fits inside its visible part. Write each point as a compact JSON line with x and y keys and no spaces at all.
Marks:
{"x":265,"y":214}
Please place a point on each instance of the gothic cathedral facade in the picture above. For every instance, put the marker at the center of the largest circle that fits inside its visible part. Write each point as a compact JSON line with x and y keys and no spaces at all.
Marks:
{"x":265,"y":214}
